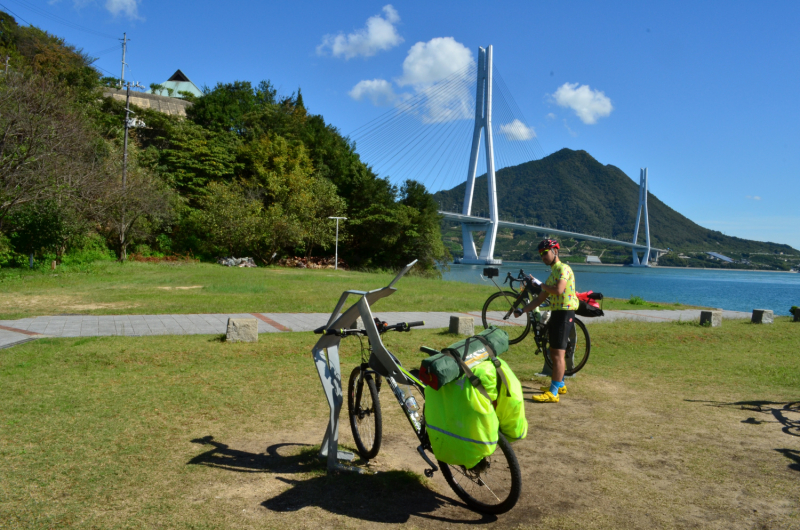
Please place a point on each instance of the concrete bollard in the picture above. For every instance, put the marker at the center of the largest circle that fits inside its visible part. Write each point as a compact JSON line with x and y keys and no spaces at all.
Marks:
{"x":762,"y":316}
{"x":242,"y":330}
{"x":711,"y":318}
{"x":462,"y":325}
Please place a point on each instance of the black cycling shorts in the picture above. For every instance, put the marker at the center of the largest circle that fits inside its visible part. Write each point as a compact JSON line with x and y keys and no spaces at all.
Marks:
{"x":560,"y":325}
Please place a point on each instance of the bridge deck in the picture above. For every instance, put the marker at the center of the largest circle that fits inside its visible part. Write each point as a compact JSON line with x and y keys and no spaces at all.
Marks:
{"x":473,"y":220}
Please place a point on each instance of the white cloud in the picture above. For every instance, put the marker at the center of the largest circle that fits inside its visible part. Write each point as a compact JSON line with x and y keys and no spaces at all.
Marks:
{"x":432,"y":61}
{"x":379,"y":91}
{"x":588,"y":104}
{"x":517,"y":131}
{"x":754,"y":197}
{"x":425,"y":64}
{"x":130,"y":8}
{"x":379,"y":34}
{"x":551,"y":116}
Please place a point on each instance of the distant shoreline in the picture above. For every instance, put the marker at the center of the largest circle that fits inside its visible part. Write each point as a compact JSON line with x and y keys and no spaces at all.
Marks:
{"x":662,"y":267}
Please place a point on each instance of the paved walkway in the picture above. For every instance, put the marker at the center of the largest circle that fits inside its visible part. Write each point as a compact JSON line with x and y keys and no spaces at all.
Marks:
{"x":13,"y":332}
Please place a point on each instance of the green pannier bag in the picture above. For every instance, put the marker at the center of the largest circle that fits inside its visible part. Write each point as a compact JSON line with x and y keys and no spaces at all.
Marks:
{"x":464,"y":416}
{"x":461,"y":422}
{"x":510,"y":407}
{"x":440,"y":369}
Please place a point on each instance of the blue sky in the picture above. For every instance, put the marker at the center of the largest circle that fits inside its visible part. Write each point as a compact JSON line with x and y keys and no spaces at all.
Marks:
{"x":704,"y":94}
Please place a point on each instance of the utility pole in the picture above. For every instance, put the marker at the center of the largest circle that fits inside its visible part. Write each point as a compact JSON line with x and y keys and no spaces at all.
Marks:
{"x":124,"y":40}
{"x":123,"y":232}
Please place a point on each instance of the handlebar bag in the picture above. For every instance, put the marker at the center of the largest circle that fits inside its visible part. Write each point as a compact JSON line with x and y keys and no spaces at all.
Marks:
{"x":440,"y":369}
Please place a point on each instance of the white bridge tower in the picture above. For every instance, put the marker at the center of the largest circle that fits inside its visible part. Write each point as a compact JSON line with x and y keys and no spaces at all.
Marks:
{"x":483,"y":121}
{"x":645,"y":260}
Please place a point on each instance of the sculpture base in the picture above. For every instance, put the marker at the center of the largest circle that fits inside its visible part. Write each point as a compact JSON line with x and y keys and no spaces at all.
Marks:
{"x":480,"y":261}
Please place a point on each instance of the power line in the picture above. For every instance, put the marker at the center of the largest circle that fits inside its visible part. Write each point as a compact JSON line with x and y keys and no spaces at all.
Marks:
{"x":55,"y":18}
{"x":15,"y":15}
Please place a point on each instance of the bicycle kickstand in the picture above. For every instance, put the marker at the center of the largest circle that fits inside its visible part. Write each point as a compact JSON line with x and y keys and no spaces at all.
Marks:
{"x":428,"y":472}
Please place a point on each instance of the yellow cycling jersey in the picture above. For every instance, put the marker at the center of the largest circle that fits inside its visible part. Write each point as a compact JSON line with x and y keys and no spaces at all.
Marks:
{"x":568,"y":300}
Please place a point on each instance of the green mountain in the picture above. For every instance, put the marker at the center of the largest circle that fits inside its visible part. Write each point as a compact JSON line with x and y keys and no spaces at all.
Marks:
{"x":570,"y":190}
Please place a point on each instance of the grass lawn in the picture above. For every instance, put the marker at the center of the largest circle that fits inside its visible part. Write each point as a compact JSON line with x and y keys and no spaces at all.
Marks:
{"x":669,"y":426}
{"x":106,"y":288}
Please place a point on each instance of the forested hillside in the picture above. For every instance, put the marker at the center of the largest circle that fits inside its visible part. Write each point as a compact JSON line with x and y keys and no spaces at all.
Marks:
{"x":247,"y":172}
{"x":570,"y":190}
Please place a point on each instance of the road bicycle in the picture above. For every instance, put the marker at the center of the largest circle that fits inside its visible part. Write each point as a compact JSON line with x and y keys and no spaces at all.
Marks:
{"x":492,"y":486}
{"x":499,"y":311}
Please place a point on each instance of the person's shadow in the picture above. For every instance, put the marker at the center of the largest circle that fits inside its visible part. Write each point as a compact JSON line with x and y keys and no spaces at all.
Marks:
{"x":385,"y":497}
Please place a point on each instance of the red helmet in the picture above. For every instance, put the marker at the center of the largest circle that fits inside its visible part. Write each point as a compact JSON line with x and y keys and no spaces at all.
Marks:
{"x":548,"y":244}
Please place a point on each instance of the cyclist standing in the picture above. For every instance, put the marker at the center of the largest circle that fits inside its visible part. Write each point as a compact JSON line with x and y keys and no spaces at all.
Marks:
{"x":560,"y":288}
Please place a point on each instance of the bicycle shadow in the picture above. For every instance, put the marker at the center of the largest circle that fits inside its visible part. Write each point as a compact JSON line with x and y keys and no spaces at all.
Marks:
{"x":223,"y":457}
{"x":385,"y":497}
{"x":787,"y":414}
{"x":793,"y":455}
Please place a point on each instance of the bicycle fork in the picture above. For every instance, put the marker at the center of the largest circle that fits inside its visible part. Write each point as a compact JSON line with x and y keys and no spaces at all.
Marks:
{"x":411,"y":409}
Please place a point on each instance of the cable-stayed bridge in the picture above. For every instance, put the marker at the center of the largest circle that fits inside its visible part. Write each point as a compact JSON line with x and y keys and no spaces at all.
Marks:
{"x":425,"y":137}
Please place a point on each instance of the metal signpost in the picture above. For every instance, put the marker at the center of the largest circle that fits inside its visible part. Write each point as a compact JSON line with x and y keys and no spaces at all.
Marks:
{"x":336,"y":263}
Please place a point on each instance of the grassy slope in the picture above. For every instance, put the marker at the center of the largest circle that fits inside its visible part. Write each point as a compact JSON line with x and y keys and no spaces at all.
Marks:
{"x":109,"y":432}
{"x":143,"y":288}
{"x":140,"y":288}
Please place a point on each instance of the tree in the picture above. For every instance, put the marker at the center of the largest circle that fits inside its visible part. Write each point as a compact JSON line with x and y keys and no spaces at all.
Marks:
{"x":237,"y":222}
{"x":318,"y":230}
{"x":46,"y":144}
{"x":130,"y":211}
{"x":226,"y":106}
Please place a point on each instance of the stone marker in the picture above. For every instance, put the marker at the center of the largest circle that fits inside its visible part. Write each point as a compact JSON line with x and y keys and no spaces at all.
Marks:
{"x":462,"y":325}
{"x":762,"y":316}
{"x":713,"y":318}
{"x":242,"y":330}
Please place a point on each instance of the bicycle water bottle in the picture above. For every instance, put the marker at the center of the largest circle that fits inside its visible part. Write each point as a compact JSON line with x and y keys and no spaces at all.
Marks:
{"x":411,"y":406}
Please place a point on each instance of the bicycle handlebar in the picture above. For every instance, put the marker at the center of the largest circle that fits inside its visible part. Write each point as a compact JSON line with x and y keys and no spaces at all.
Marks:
{"x":383,"y":327}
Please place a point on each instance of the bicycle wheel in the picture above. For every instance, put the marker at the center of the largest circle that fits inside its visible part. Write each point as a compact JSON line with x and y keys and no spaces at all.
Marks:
{"x":577,"y":352}
{"x":364,"y":409}
{"x":493,"y":486}
{"x":498,"y":311}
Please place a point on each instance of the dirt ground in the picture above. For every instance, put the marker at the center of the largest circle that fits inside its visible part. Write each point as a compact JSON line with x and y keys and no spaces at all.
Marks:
{"x":668,"y":461}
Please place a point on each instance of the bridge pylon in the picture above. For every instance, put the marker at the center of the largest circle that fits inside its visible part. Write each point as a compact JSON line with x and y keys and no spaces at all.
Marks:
{"x":483,"y":122}
{"x":645,"y":260}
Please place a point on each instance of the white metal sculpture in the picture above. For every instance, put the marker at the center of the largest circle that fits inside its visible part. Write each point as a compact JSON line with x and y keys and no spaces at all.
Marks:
{"x":483,"y":121}
{"x":326,"y":359}
{"x":645,"y":261}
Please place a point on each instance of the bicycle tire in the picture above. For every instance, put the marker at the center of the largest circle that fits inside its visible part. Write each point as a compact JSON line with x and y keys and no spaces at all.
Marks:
{"x":484,"y":491}
{"x":364,"y":409}
{"x":580,"y":349}
{"x":494,"y":313}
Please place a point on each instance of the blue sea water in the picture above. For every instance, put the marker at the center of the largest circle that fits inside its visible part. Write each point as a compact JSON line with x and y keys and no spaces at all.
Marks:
{"x":727,"y":289}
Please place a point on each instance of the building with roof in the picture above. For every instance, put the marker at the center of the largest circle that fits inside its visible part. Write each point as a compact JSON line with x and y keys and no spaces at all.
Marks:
{"x":178,"y":83}
{"x":720,"y":257}
{"x":143,"y":100}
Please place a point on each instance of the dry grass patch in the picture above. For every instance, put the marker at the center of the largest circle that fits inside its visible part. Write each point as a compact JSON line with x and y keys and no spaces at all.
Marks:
{"x":190,"y":432}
